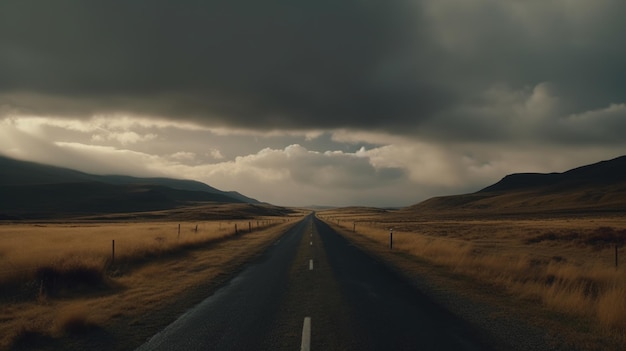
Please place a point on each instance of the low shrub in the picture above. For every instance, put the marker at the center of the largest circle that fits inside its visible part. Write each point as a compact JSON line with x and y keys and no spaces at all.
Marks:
{"x":73,"y":319}
{"x":71,"y":274}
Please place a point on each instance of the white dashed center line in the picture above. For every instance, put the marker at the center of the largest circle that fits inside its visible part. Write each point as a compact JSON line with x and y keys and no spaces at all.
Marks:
{"x":306,"y":335}
{"x":310,"y":265}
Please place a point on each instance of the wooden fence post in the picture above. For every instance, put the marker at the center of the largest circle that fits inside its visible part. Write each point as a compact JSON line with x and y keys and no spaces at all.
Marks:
{"x":112,"y":252}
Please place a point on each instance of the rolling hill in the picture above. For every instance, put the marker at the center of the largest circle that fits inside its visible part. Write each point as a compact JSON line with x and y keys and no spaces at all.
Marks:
{"x":595,"y":188}
{"x":32,"y":190}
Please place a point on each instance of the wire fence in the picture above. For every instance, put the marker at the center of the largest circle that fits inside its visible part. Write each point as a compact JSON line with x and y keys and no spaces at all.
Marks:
{"x":22,"y":283}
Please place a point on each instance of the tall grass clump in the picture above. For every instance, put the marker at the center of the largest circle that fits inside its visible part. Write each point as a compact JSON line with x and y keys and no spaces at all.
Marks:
{"x":73,"y":319}
{"x":28,"y":336}
{"x":71,"y":274}
{"x":611,"y":307}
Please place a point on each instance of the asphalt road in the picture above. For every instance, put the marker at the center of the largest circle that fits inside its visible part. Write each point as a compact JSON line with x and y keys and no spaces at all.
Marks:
{"x":313,"y":289}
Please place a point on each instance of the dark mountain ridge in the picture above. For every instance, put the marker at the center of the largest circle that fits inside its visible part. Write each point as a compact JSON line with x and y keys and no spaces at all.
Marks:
{"x":15,"y":172}
{"x":594,"y":188}
{"x":603,"y":173}
{"x":33,"y":190}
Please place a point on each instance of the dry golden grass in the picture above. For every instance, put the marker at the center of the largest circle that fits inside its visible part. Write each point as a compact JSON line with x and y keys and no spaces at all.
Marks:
{"x":566,"y":264}
{"x":26,"y":248}
{"x":74,"y":318}
{"x":94,"y":293}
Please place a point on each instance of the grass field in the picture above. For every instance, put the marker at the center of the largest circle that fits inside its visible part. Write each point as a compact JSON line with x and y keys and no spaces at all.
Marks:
{"x":62,"y":279}
{"x":565,"y":264}
{"x":28,"y":248}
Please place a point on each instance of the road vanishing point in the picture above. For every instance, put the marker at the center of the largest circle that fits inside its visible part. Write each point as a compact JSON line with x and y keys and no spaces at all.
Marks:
{"x":313,"y":290}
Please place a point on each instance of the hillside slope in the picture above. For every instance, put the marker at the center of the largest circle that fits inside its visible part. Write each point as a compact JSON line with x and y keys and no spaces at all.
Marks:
{"x":32,"y":190}
{"x":599,"y":187}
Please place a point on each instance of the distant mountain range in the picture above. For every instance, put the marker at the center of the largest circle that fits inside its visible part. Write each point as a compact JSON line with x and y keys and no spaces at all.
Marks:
{"x":595,"y":188}
{"x":33,"y":190}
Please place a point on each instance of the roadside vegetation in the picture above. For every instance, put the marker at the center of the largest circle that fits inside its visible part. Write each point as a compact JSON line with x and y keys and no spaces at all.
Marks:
{"x":568,"y":265}
{"x":62,"y":280}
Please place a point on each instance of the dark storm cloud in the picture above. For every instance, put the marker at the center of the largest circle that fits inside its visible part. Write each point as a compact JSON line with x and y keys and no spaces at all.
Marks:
{"x":388,"y":65}
{"x":282,"y":63}
{"x":576,"y":46}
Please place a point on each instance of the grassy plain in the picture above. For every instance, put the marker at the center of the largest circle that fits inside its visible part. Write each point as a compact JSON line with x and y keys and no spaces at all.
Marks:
{"x":564,"y":265}
{"x":61,"y":287}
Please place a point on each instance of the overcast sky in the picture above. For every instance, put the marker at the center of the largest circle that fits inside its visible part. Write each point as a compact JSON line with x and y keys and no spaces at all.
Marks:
{"x":378,"y":103}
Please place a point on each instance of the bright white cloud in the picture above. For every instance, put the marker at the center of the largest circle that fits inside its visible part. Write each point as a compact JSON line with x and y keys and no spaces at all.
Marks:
{"x":215,"y":154}
{"x":124,"y":138}
{"x":109,"y":160}
{"x":99,"y":122}
{"x":183,"y":156}
{"x":383,"y":169}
